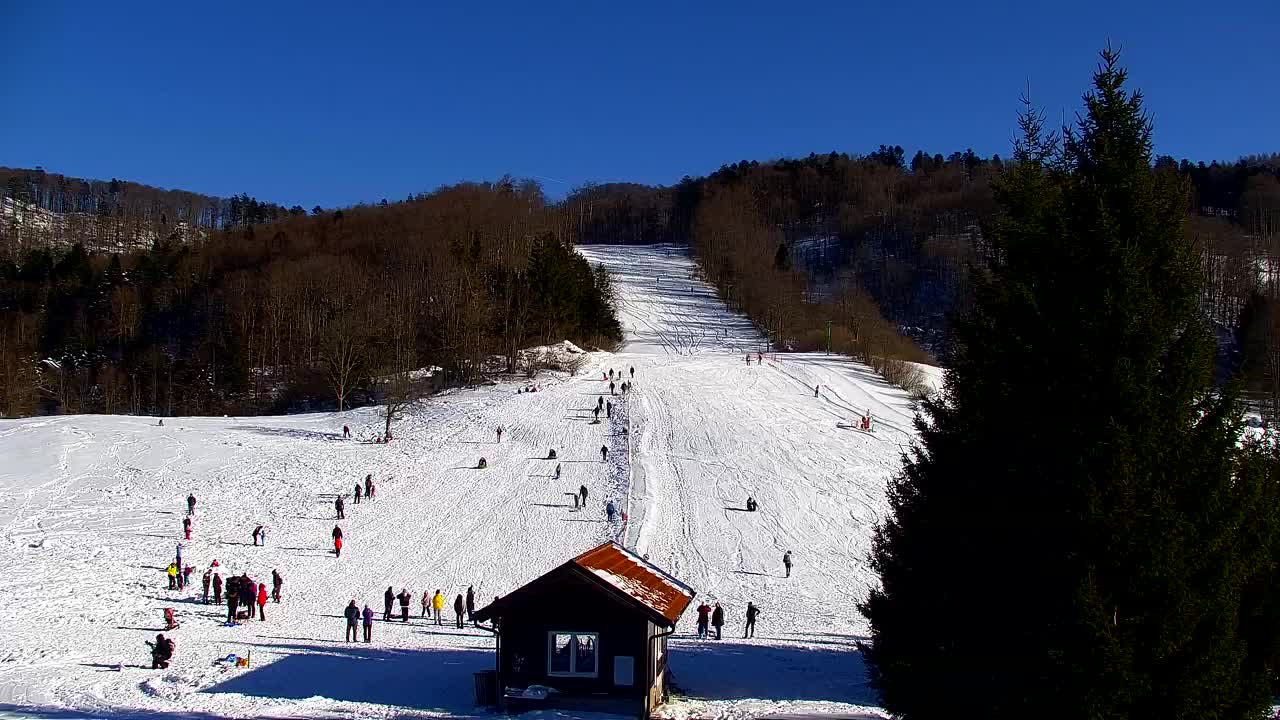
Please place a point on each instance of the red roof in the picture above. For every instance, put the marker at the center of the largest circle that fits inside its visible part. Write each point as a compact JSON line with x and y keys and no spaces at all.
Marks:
{"x":638,"y":578}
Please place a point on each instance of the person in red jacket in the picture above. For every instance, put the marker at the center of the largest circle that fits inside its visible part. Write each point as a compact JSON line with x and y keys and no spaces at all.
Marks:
{"x":337,"y":541}
{"x":186,"y":528}
{"x":262,"y":601}
{"x":704,"y":616}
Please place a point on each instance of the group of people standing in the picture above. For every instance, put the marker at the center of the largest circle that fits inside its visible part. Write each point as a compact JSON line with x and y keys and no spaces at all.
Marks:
{"x":432,"y":607}
{"x":714,"y":618}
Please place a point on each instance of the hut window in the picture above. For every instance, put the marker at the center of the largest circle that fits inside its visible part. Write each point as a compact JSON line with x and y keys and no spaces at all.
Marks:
{"x":572,"y":654}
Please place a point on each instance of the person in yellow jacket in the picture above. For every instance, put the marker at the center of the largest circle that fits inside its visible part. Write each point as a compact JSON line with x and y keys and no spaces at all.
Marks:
{"x":172,"y":572}
{"x":437,"y":604}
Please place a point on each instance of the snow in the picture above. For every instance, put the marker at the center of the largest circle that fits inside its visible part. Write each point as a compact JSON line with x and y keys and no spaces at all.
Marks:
{"x":91,"y":509}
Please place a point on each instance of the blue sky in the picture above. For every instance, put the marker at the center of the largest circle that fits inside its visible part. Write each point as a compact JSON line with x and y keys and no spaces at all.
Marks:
{"x":338,"y":103}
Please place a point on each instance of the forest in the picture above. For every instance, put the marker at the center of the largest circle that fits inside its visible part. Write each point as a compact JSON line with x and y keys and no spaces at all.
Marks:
{"x":133,"y":299}
{"x":297,"y":311}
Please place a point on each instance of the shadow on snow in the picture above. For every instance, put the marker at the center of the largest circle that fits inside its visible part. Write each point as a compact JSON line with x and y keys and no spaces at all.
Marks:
{"x":732,"y":670}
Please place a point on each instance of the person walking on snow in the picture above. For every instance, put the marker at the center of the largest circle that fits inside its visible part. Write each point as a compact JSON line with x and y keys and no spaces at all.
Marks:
{"x":471,"y":601}
{"x":611,"y":388}
{"x":426,"y":602}
{"x":499,"y":433}
{"x":257,"y":535}
{"x":458,"y":607}
{"x":368,"y":486}
{"x":388,"y":600}
{"x":172,"y":572}
{"x":337,"y":541}
{"x":276,"y":583}
{"x":346,"y":433}
{"x":611,"y":373}
{"x":582,"y":490}
{"x":633,"y":372}
{"x":704,"y":617}
{"x":191,"y":504}
{"x":752,"y":612}
{"x":608,"y":409}
{"x":557,"y":471}
{"x":437,"y":604}
{"x":786,"y":562}
{"x":368,"y":623}
{"x":595,"y":414}
{"x":352,"y":613}
{"x":204,"y":583}
{"x":815,"y":390}
{"x":609,"y":510}
{"x":186,"y":528}
{"x":604,"y":453}
{"x":217,"y":589}
{"x":262,"y":601}
{"x":339,"y":506}
{"x":404,"y":598}
{"x":717,"y":619}
{"x":357,"y":493}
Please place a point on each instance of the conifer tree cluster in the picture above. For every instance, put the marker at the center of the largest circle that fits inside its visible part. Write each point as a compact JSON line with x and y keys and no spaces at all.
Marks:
{"x":1080,"y":532}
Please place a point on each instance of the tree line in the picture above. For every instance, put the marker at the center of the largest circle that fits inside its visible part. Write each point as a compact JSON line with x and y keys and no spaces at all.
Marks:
{"x":302,"y":311}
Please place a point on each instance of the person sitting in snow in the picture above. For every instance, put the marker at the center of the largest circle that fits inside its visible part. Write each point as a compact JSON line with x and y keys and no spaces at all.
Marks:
{"x":482,"y":464}
{"x":161,"y":652}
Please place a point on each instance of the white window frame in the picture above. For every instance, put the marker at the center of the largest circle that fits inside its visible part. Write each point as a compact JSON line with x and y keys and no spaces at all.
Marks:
{"x":573,"y":653}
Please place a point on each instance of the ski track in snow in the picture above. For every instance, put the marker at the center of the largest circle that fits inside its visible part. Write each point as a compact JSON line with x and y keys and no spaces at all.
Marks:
{"x":91,"y":509}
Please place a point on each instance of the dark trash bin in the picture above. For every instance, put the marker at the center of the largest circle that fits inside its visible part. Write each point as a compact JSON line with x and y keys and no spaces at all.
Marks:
{"x":487,"y":687}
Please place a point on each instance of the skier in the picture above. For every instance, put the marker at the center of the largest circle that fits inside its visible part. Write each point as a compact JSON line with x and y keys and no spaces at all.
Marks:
{"x":257,"y":533}
{"x":404,"y":598}
{"x":471,"y":601}
{"x":191,"y":504}
{"x":217,"y":589}
{"x":582,"y":490}
{"x":499,"y":433}
{"x":752,"y":612}
{"x":604,"y":453}
{"x":339,"y":506}
{"x":368,"y":623}
{"x":204,"y":582}
{"x":426,"y":602}
{"x":388,"y":599}
{"x":262,"y":601}
{"x":786,"y":562}
{"x":610,"y":388}
{"x":610,"y":509}
{"x":337,"y":541}
{"x":704,"y":617}
{"x":346,"y":432}
{"x":437,"y":604}
{"x":352,"y":613}
{"x":161,"y":652}
{"x":172,"y":572}
{"x":186,"y":528}
{"x":276,"y":583}
{"x":357,"y":494}
{"x":717,"y":619}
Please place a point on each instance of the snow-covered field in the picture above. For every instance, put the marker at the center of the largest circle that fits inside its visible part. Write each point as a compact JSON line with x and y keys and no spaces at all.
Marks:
{"x":91,"y":509}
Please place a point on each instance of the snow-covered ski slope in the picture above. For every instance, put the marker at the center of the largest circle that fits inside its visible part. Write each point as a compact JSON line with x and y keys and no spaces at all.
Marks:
{"x":91,"y":509}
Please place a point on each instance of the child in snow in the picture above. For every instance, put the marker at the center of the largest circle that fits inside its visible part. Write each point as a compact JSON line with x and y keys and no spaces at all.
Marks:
{"x":262,"y":601}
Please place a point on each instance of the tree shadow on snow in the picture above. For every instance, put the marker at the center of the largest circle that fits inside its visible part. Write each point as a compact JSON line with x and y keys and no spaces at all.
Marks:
{"x":731,"y":670}
{"x":354,"y":672}
{"x":296,"y":433}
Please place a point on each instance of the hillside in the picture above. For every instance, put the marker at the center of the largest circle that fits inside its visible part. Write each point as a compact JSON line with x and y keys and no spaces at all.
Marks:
{"x":91,"y":509}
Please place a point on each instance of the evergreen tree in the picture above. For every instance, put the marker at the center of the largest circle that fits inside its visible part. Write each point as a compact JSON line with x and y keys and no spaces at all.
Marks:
{"x":1110,"y":555}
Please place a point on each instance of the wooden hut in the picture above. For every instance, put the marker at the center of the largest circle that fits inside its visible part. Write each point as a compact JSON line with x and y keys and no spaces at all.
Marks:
{"x":594,"y":629}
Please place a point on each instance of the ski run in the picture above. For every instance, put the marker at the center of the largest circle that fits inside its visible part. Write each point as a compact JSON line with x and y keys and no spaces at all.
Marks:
{"x":92,"y":510}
